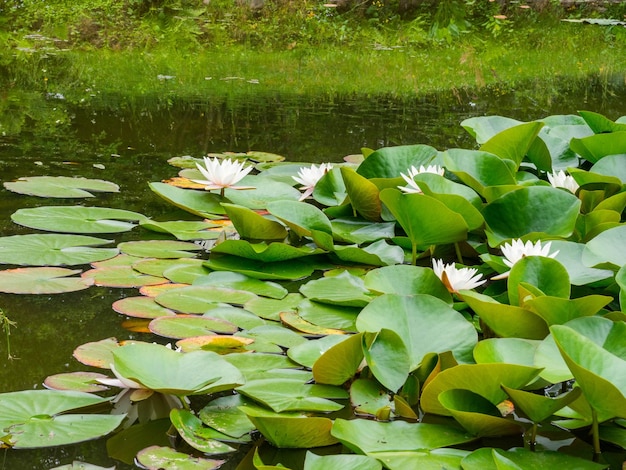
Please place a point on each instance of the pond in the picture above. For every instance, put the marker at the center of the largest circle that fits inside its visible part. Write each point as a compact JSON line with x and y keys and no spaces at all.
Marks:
{"x":129,"y":143}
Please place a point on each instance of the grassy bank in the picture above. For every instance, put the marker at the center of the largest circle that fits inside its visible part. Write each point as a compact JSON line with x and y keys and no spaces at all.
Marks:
{"x":339,"y":54}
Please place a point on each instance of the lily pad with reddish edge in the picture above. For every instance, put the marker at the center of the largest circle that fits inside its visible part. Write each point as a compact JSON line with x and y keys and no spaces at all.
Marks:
{"x":141,"y":307}
{"x":44,"y":280}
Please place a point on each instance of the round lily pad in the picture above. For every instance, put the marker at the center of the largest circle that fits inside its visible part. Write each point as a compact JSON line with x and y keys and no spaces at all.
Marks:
{"x":43,"y":280}
{"x":121,"y":276}
{"x":141,"y":307}
{"x":76,"y":219}
{"x":60,"y":186}
{"x":159,"y":249}
{"x":77,"y":381}
{"x":187,"y":326}
{"x":167,"y":458}
{"x":53,"y":250}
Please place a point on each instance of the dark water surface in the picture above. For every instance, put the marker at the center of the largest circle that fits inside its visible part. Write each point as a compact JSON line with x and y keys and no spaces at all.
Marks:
{"x":129,"y":143}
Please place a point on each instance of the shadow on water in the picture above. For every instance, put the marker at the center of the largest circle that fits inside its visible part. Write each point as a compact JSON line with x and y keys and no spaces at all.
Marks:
{"x":129,"y":143}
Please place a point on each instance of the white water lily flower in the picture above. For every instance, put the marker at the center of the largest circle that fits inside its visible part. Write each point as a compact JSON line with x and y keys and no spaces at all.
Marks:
{"x":517,"y":249}
{"x":412,"y":186}
{"x":456,"y":279}
{"x":559,"y":179}
{"x":308,"y":178}
{"x":222,"y":174}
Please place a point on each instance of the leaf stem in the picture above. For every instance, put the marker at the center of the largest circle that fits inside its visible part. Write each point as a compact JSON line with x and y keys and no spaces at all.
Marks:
{"x":413,"y":253}
{"x":457,"y":249}
{"x":595,"y":434}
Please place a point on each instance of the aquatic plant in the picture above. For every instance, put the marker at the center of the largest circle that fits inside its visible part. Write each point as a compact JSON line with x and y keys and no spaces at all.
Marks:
{"x":490,"y":302}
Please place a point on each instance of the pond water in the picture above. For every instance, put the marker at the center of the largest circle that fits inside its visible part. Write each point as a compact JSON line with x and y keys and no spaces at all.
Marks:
{"x":129,"y":143}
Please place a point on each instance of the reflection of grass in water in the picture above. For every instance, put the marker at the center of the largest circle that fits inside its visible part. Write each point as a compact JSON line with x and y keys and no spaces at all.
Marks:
{"x":563,"y":51}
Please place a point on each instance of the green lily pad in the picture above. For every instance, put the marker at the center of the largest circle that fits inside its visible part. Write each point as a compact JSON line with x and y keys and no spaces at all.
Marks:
{"x":369,"y":398}
{"x":363,"y":194}
{"x":76,"y":219}
{"x":291,"y":430}
{"x":571,"y":256}
{"x":242,"y":282}
{"x":479,"y":170}
{"x":199,"y":299}
{"x":330,"y":190}
{"x":186,"y":271}
{"x":382,"y":440}
{"x":254,"y":365}
{"x":340,"y":362}
{"x":163,"y":370}
{"x":406,"y":280}
{"x":183,"y":229}
{"x":477,"y":414}
{"x":265,"y":191}
{"x":540,"y":407}
{"x":598,"y":146}
{"x":292,"y":395}
{"x":252,"y":225}
{"x":202,"y":203}
{"x":506,"y":320}
{"x":194,"y":433}
{"x":546,"y":274}
{"x":481,"y":379}
{"x":342,"y":461}
{"x":78,"y":465}
{"x":270,"y":309}
{"x":530,"y":212}
{"x":76,"y":381}
{"x":516,"y":142}
{"x":344,"y":289}
{"x":300,"y":217}
{"x":121,"y":276}
{"x":483,"y":128}
{"x":389,"y":162}
{"x":240,"y":317}
{"x":270,"y":253}
{"x":489,"y":459}
{"x":60,"y":186}
{"x":379,"y":253}
{"x":97,"y":353}
{"x":606,"y":248}
{"x":420,"y":320}
{"x":187,"y":326}
{"x":387,"y":357}
{"x":53,"y":250}
{"x":612,"y":165}
{"x":353,"y":230}
{"x":557,"y":310}
{"x":159,"y":249}
{"x":307,"y":353}
{"x":141,"y":307}
{"x":274,"y":334}
{"x":224,"y":415}
{"x":594,"y":353}
{"x":166,"y":458}
{"x":41,"y":281}
{"x":40,"y":418}
{"x":436,"y":224}
{"x":275,"y":270}
{"x":329,"y":315}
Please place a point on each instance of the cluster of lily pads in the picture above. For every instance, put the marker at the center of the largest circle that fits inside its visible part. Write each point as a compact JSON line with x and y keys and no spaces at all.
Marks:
{"x":407,"y":303}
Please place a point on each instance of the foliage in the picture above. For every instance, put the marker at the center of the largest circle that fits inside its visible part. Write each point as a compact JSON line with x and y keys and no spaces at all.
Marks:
{"x":323,"y":321}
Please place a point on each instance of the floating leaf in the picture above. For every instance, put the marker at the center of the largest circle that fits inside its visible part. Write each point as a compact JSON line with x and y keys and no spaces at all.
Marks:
{"x":53,"y":250}
{"x":273,"y":252}
{"x":406,"y":280}
{"x":194,"y":433}
{"x":243,"y":318}
{"x":264,"y":193}
{"x":344,"y":289}
{"x":483,"y":128}
{"x":183,"y":229}
{"x":514,"y":142}
{"x":329,"y":315}
{"x":163,"y":370}
{"x":76,"y":219}
{"x":368,"y":397}
{"x":159,"y":249}
{"x":187,"y":326}
{"x":76,"y":381}
{"x":291,"y":430}
{"x":224,"y":415}
{"x":340,"y":362}
{"x":200,"y":203}
{"x":307,"y":353}
{"x":295,"y":269}
{"x":607,"y":247}
{"x":481,"y":379}
{"x":239,"y":281}
{"x":389,"y":162}
{"x":60,"y":186}
{"x":342,"y":461}
{"x":220,"y":344}
{"x":270,"y":309}
{"x":41,"y":281}
{"x":97,"y":353}
{"x":542,"y":272}
{"x":121,"y":276}
{"x":354,"y":230}
{"x":418,"y":320}
{"x":199,"y":299}
{"x":166,"y":458}
{"x":531,"y":212}
{"x":140,"y":307}
{"x":488,"y":459}
{"x":595,"y":147}
{"x":40,"y":418}
{"x":388,"y":358}
{"x":479,"y":170}
{"x":292,"y":395}
{"x":252,"y":225}
{"x":296,"y":322}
